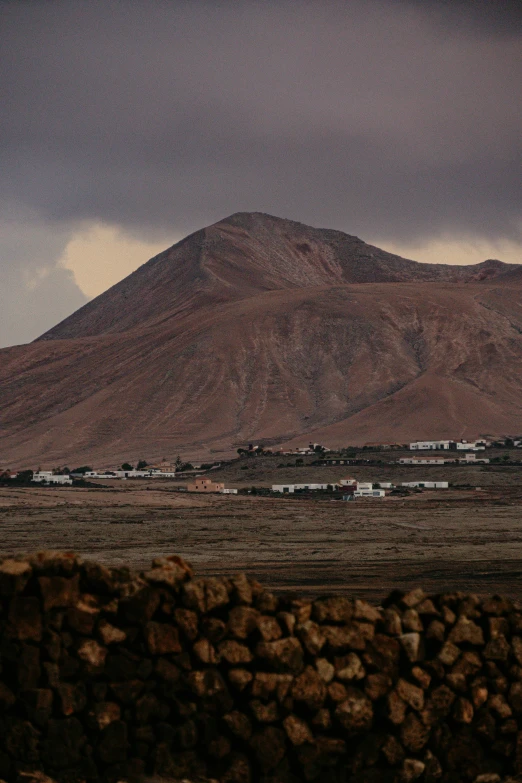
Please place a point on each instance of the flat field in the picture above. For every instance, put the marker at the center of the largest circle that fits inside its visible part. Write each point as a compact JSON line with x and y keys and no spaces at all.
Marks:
{"x":463,"y":538}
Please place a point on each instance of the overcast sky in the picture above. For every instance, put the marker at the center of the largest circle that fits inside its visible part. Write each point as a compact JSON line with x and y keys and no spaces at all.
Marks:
{"x":126,"y":125}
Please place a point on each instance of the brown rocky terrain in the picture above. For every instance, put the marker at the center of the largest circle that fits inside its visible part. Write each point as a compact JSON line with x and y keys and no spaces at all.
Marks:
{"x":264,"y":329}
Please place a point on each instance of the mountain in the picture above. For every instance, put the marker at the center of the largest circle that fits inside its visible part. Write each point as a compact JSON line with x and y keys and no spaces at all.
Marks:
{"x":263,"y":329}
{"x":240,"y":257}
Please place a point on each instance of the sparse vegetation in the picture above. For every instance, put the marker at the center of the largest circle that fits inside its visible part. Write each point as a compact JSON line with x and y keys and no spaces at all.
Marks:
{"x":23,"y":477}
{"x":184,"y":466}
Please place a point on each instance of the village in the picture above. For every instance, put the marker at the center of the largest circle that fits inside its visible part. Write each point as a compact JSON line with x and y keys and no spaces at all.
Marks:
{"x":197,"y":478}
{"x":349,"y":487}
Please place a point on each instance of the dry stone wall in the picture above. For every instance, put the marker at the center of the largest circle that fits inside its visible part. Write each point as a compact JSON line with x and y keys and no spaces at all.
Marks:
{"x":111,"y":676}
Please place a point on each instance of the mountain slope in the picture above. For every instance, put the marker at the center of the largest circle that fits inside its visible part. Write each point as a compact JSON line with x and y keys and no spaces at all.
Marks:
{"x":240,"y":333}
{"x":346,"y":362}
{"x":240,"y":257}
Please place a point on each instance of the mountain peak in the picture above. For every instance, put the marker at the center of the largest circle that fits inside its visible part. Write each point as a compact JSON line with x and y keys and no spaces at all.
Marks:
{"x":241,"y":256}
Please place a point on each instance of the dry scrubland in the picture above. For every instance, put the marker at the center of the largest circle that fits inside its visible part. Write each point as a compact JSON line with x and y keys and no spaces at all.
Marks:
{"x":464,"y":538}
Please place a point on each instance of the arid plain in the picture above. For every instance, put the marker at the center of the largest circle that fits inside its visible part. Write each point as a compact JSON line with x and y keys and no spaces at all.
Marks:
{"x":468,"y":537}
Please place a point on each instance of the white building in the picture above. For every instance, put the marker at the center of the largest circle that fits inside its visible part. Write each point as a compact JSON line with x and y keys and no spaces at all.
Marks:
{"x":125,"y":474}
{"x":426,"y":484}
{"x":96,"y":474}
{"x":423,"y":461}
{"x":475,"y":446}
{"x":364,"y":486}
{"x":365,"y":489}
{"x":369,"y":493}
{"x":312,"y":486}
{"x":445,"y":445}
{"x":228,"y":491}
{"x":290,"y":488}
{"x":431,"y":445}
{"x":48,"y":477}
{"x":473,"y":459}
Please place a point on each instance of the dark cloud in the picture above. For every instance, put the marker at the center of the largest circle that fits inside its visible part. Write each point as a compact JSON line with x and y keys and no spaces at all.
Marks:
{"x":389,"y":118}
{"x":35,"y":292}
{"x":488,"y":17}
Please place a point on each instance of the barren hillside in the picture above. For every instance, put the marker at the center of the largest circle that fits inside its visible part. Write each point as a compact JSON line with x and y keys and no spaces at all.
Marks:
{"x":263,"y":329}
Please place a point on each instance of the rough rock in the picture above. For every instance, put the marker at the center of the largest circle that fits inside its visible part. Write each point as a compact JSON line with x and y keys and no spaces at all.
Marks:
{"x":14,"y":575}
{"x":466,"y":630}
{"x":309,"y":688}
{"x":234,"y":653}
{"x":162,"y":638}
{"x":350,"y":668}
{"x":333,"y":610}
{"x":58,"y":591}
{"x":297,"y":730}
{"x":24,"y":620}
{"x":107,"y":676}
{"x":284,"y":655}
{"x":355,"y":713}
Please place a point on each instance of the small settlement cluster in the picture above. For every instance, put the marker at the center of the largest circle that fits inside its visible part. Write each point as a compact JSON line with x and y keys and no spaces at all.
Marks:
{"x":198,"y":485}
{"x":49,"y":477}
{"x":351,"y":488}
{"x":448,"y":452}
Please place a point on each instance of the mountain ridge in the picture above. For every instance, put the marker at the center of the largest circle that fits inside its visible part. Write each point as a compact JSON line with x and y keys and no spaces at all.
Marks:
{"x":243,"y":255}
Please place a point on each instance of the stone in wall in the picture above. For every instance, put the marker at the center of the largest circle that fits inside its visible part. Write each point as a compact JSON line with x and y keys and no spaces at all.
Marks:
{"x":111,"y":676}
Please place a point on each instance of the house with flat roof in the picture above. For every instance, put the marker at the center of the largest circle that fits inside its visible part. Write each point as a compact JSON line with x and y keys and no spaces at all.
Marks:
{"x":426,"y":484}
{"x":48,"y":477}
{"x":424,"y":461}
{"x":205,"y":485}
{"x":369,"y":493}
{"x":432,"y":445}
{"x":291,"y":488}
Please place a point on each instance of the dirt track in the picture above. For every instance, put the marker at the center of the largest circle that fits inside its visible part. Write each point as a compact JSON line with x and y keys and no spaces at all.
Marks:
{"x":455,"y":540}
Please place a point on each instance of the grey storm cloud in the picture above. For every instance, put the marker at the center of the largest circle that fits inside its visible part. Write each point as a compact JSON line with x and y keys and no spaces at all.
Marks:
{"x":389,"y":118}
{"x":34,"y":292}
